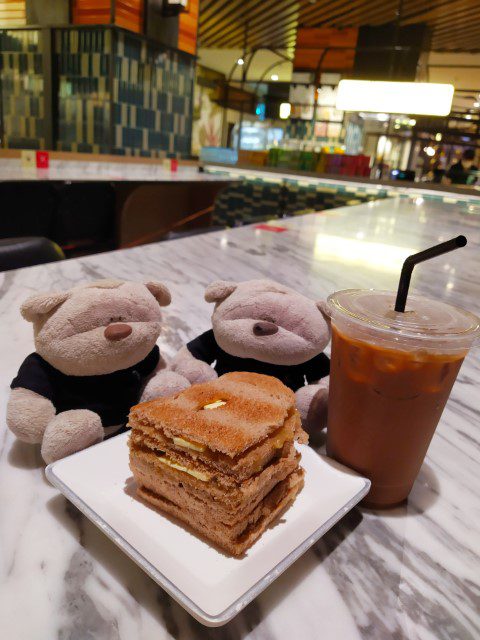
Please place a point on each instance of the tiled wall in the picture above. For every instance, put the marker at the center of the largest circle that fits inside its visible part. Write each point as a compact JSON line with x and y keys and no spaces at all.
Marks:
{"x":82,"y":61}
{"x":256,"y":199}
{"x":152,"y":97}
{"x":22,"y":88}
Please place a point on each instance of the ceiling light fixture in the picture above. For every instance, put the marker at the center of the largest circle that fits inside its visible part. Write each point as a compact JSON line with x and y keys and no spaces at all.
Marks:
{"x":274,"y":77}
{"x":423,"y":98}
{"x":430,"y":151}
{"x":468,"y":117}
{"x":240,"y":61}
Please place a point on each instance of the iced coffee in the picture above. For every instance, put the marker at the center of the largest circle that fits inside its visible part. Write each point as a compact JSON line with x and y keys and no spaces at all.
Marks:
{"x":391,"y":376}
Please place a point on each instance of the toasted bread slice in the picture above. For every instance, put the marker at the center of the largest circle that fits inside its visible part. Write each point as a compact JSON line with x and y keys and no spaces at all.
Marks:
{"x":236,"y":539}
{"x":228,"y":415}
{"x":230,"y":501}
{"x":240,"y":467}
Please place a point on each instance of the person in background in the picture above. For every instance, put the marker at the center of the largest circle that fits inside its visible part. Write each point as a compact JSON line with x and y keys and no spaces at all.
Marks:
{"x":462,"y":172}
{"x":436,"y":172}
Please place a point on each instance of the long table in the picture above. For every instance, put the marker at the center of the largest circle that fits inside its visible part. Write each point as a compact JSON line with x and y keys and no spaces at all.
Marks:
{"x":149,"y":197}
{"x":409,"y":573}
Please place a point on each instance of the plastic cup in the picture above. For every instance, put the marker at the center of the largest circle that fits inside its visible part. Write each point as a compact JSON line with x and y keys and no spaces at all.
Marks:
{"x":391,"y":376}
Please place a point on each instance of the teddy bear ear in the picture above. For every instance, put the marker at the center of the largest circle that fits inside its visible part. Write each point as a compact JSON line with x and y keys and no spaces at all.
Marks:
{"x":42,"y":304}
{"x":325,"y":310}
{"x":160,"y":292}
{"x":219,"y":290}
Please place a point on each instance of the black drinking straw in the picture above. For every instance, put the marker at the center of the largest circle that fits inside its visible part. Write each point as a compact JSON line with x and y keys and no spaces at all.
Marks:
{"x":411,"y":261}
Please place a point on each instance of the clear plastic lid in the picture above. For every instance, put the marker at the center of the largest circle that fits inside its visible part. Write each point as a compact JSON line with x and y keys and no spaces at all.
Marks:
{"x":423,"y":319}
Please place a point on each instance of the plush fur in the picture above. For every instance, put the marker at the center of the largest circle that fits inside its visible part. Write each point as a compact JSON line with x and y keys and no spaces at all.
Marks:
{"x":91,"y":330}
{"x":271,"y":323}
{"x":69,"y":432}
{"x":28,"y":415}
{"x":69,"y":326}
{"x":302,"y":331}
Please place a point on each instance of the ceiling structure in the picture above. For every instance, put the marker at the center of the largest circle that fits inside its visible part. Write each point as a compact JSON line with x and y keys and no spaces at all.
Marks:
{"x":224,"y":24}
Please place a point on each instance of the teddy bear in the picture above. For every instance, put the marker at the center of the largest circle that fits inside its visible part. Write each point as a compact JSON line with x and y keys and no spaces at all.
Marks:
{"x":262,"y":326}
{"x":96,"y":356}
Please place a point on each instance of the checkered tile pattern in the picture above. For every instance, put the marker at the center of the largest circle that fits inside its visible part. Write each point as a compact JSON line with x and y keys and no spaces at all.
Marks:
{"x":82,"y":59}
{"x":152,"y":97}
{"x":257,"y":200}
{"x":151,"y":100}
{"x":22,"y":88}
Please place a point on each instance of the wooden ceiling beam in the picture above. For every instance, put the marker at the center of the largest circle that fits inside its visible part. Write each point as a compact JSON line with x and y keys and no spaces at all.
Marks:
{"x":447,"y":38}
{"x":471,"y":46}
{"x":259,"y":41}
{"x":443,"y":8}
{"x":263,"y":37}
{"x":254,"y":16}
{"x":205,"y":5}
{"x":336,"y":11}
{"x":462,"y":46}
{"x":450,"y":24}
{"x":233,"y":8}
{"x":270,"y":18}
{"x":205,"y":12}
{"x":357,"y":20}
{"x":276,"y":22}
{"x":261,"y":28}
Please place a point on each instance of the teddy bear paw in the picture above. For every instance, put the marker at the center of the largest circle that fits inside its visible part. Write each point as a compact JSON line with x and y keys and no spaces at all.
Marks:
{"x":312,"y":404}
{"x":196,"y":371}
{"x":165,"y":383}
{"x":69,"y":432}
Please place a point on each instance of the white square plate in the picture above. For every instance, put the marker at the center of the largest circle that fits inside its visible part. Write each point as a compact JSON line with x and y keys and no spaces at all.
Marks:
{"x":210,"y":585}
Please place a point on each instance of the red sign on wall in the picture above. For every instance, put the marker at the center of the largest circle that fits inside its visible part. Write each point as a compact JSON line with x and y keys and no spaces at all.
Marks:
{"x":42,"y":159}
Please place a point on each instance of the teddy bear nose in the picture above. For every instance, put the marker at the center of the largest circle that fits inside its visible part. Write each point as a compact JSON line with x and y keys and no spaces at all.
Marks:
{"x":264,"y":328}
{"x":117,"y":331}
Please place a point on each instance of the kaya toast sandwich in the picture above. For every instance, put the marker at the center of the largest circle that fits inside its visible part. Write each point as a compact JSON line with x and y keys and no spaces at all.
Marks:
{"x":220,"y":456}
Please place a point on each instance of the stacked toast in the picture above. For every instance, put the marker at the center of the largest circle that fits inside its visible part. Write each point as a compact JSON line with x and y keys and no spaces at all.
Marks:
{"x":220,"y":456}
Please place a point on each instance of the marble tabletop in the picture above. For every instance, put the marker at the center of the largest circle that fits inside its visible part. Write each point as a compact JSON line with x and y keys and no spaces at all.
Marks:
{"x":410,"y":573}
{"x":92,"y":171}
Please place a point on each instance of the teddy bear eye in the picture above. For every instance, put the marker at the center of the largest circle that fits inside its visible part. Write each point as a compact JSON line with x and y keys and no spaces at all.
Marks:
{"x":117,"y":319}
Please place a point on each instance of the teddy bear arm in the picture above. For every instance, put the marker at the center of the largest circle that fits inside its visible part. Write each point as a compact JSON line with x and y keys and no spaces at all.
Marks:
{"x":28,"y":414}
{"x":194,"y":370}
{"x":162,"y":384}
{"x":312,"y":404}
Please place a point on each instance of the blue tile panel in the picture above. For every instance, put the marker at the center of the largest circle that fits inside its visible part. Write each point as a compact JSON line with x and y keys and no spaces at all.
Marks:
{"x":115,"y":92}
{"x":22,"y":88}
{"x":152,"y":97}
{"x":257,"y":199}
{"x":82,"y":62}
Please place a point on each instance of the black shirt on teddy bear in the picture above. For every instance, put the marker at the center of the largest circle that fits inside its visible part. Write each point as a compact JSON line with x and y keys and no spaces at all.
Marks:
{"x":111,"y":395}
{"x":206,"y":348}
